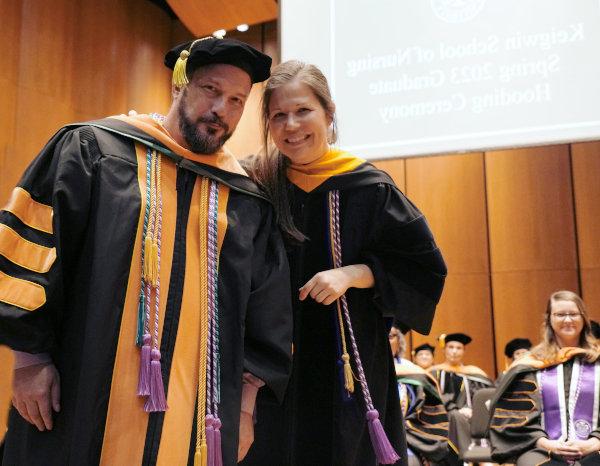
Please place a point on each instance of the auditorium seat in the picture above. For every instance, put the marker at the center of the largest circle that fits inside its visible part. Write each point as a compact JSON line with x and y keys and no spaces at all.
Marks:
{"x":479,"y":450}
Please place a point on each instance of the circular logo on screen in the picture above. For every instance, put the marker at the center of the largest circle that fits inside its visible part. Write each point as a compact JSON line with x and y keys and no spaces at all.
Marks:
{"x":457,"y":11}
{"x":583,"y":429}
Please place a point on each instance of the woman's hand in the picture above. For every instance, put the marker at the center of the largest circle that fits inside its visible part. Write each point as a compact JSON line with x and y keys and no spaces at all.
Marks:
{"x":327,"y":286}
{"x":588,"y":446}
{"x":569,"y":450}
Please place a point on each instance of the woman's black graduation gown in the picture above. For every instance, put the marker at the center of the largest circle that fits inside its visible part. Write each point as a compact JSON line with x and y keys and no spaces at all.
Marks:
{"x":318,"y":423}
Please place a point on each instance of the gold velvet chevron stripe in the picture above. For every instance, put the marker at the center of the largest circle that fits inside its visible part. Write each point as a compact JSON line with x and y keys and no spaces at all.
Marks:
{"x":32,"y":213}
{"x":21,"y":293}
{"x":25,"y":253}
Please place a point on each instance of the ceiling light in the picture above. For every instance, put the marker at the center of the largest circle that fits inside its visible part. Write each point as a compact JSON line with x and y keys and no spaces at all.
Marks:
{"x":220,"y":33}
{"x":242,"y":27}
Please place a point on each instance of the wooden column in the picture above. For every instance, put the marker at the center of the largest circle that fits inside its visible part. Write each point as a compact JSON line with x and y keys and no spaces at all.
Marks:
{"x":450,"y":191}
{"x":532,"y":236}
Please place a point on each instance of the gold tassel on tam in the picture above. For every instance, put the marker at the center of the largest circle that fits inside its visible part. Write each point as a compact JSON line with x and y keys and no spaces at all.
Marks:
{"x":442,"y":340}
{"x":180,"y":78}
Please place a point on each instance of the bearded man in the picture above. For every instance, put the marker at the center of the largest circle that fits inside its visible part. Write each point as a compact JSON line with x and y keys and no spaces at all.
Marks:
{"x":143,"y":283}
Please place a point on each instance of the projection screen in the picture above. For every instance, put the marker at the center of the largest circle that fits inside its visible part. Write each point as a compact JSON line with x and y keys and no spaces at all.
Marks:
{"x":413,"y":77}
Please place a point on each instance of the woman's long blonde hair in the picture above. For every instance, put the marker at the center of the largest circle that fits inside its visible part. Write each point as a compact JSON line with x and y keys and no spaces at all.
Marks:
{"x":548,"y":348}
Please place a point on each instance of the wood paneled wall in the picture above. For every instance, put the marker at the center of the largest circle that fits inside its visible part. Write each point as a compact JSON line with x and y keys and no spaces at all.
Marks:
{"x":514,"y":226}
{"x":450,"y":191}
{"x":533,"y":250}
{"x":71,"y":61}
{"x":585,"y":163}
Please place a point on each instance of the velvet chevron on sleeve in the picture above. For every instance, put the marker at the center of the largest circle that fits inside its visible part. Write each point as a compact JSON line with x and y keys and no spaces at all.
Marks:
{"x":41,"y":232}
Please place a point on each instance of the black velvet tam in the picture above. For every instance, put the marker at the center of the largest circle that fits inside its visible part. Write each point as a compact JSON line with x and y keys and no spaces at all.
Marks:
{"x":516,"y":344}
{"x":228,"y":51}
{"x":424,"y":347}
{"x":460,"y":337}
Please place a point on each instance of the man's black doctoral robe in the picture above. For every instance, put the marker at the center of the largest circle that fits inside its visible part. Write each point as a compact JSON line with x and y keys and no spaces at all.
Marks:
{"x":70,"y":287}
{"x":319,"y":424}
{"x":458,"y":385}
{"x":425,"y":417}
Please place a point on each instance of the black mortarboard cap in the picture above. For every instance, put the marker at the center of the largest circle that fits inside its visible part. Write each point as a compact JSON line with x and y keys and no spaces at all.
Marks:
{"x":424,"y":346}
{"x":185,"y":58}
{"x":516,"y":344}
{"x":460,"y":337}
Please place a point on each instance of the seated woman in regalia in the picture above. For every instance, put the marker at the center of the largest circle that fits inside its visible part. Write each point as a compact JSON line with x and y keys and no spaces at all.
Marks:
{"x":547,"y":406}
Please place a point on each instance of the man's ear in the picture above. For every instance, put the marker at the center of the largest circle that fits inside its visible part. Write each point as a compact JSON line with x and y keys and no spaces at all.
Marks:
{"x":176,"y":91}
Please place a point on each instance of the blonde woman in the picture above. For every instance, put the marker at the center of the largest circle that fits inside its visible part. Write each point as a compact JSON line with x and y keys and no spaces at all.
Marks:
{"x":359,"y":251}
{"x":547,"y":407}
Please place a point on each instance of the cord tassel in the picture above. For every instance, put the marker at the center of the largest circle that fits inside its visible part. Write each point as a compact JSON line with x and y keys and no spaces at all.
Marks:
{"x":180,"y":78}
{"x":201,"y":455}
{"x":218,"y":455}
{"x":210,"y":440}
{"x":203,"y":418}
{"x":156,"y":401}
{"x":348,"y":376}
{"x":384,"y":451}
{"x":139,"y":336}
{"x":144,"y":378}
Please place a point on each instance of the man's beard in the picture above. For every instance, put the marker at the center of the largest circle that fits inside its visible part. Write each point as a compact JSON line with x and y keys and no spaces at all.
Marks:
{"x":198,"y":141}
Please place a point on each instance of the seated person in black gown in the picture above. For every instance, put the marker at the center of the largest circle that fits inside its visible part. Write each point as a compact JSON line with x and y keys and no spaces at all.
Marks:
{"x":547,"y":407}
{"x":425,"y":417}
{"x":423,"y":355}
{"x":458,"y":383}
